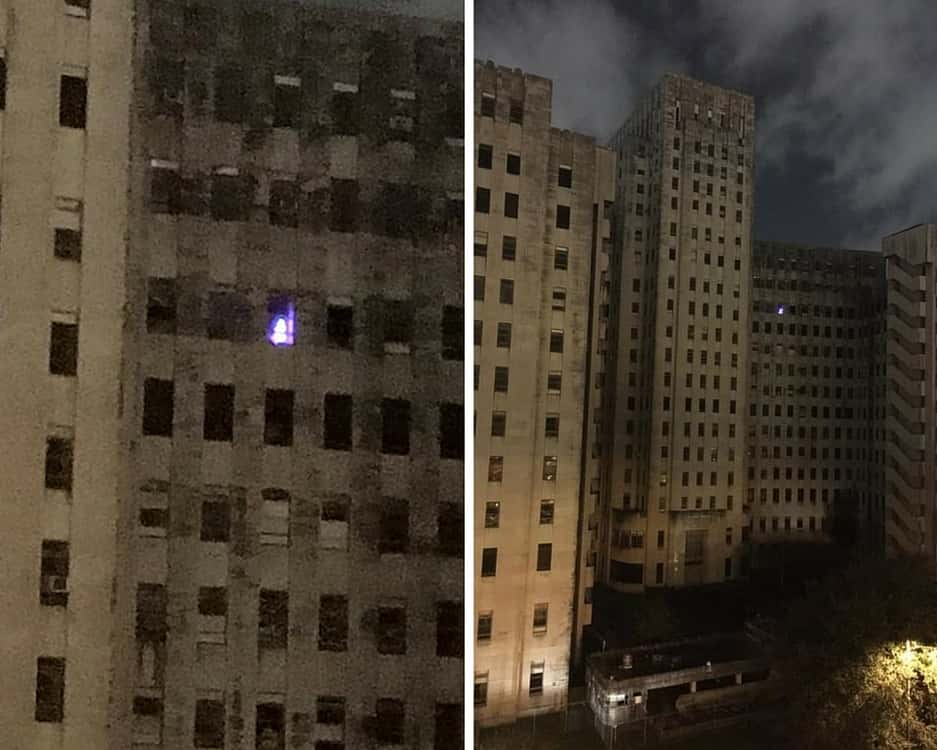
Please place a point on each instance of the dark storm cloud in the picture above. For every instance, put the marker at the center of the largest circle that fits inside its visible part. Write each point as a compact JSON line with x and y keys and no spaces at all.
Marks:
{"x":846,"y":93}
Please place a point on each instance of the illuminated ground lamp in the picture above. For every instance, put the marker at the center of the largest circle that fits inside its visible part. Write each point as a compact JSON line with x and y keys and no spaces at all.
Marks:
{"x":281,"y":326}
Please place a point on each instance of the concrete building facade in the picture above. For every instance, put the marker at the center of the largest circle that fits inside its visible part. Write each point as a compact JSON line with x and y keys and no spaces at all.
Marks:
{"x":241,"y":250}
{"x":673,"y":481}
{"x":540,"y":232}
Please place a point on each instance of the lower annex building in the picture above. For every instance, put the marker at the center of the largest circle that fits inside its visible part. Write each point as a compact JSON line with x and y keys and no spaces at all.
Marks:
{"x":232,"y":421}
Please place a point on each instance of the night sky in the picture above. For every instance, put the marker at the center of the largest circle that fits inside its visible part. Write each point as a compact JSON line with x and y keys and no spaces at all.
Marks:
{"x":845,"y":93}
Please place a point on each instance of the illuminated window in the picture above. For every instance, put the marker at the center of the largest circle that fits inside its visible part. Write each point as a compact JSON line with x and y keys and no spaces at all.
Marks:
{"x":281,"y":326}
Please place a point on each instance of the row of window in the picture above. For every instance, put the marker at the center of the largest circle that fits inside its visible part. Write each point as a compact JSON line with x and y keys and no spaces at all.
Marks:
{"x":489,"y":561}
{"x":499,"y":421}
{"x":512,"y":165}
{"x":493,"y":513}
{"x":554,"y":380}
{"x":496,"y":468}
{"x":485,"y":626}
{"x":512,"y":207}
{"x":775,"y":524}
{"x":515,"y":108}
{"x":270,"y":730}
{"x":534,"y":683}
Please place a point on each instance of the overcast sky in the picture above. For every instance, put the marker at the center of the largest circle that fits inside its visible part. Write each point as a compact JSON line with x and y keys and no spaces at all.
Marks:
{"x":845,"y":93}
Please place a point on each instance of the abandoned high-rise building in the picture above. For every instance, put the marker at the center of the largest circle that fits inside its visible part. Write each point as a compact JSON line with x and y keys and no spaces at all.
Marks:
{"x":232,"y":427}
{"x":542,"y":198}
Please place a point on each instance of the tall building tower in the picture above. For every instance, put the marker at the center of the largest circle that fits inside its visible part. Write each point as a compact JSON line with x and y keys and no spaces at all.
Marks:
{"x":231,"y":304}
{"x":909,"y":424}
{"x":541,"y":228}
{"x":674,"y":475}
{"x":813,"y":470}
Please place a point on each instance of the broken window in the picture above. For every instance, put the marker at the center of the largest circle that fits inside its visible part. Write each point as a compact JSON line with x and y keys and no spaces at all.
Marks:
{"x":489,"y":562}
{"x":50,"y":689}
{"x":451,"y":431}
{"x":158,"y":407}
{"x":449,"y":629}
{"x":151,"y":612}
{"x":270,"y":726}
{"x":562,"y":217}
{"x":398,"y":321}
{"x":333,"y":524}
{"x":67,"y":243}
{"x":546,"y":511}
{"x":230,"y":98}
{"x":485,"y":622}
{"x":284,"y":203}
{"x":488,"y":105}
{"x":401,"y":114}
{"x":495,"y":468}
{"x":395,"y":416}
{"x":506,"y":292}
{"x":273,"y":625}
{"x":395,"y":526}
{"x":544,"y":556}
{"x":333,"y":622}
{"x":216,"y":521}
{"x":161,"y":306}
{"x":511,"y":205}
{"x":453,"y":333}
{"x":552,"y":426}
{"x":556,"y":341}
{"x":63,"y":349}
{"x":392,"y":630}
{"x":287,"y":101}
{"x":340,"y":326}
{"x":218,"y":421}
{"x":345,"y":208}
{"x":449,"y":529}
{"x":345,"y":113}
{"x":59,"y":464}
{"x":147,"y":720}
{"x":390,"y":721}
{"x":154,"y":520}
{"x":165,"y":187}
{"x":549,"y":468}
{"x":230,"y":196}
{"x":337,"y":422}
{"x":565,"y":178}
{"x":561,"y":259}
{"x":53,"y":579}
{"x":167,"y":85}
{"x":330,"y":709}
{"x":212,"y":614}
{"x":275,"y":516}
{"x":502,"y":376}
{"x":485,"y":153}
{"x":540,"y":618}
{"x":536,"y":679}
{"x":209,"y":723}
{"x":278,"y":417}
{"x":73,"y":102}
{"x":482,"y":200}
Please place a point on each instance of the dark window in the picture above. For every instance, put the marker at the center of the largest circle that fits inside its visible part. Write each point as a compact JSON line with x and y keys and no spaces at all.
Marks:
{"x":147,"y":706}
{"x":504,"y":335}
{"x":449,"y":629}
{"x":3,"y":83}
{"x":554,"y":381}
{"x":489,"y":562}
{"x":556,"y":342}
{"x":395,"y":526}
{"x":216,"y":521}
{"x":209,"y":723}
{"x":561,"y":259}
{"x":273,"y":622}
{"x":479,"y":327}
{"x":340,"y":326}
{"x":484,"y":156}
{"x":552,"y":426}
{"x":73,"y":102}
{"x":513,"y":165}
{"x":333,"y":623}
{"x":67,"y":242}
{"x":495,"y":468}
{"x":547,"y":511}
{"x":337,"y":428}
{"x":344,"y":113}
{"x":165,"y":190}
{"x":482,"y":200}
{"x":511,"y":205}
{"x":230,"y":198}
{"x":449,"y":529}
{"x":391,"y":630}
{"x":59,"y":464}
{"x":287,"y":100}
{"x":562,"y":217}
{"x":565,"y":178}
{"x":278,"y":417}
{"x":395,"y":415}
{"x":228,"y":315}
{"x":229,"y":95}
{"x":345,"y":207}
{"x":50,"y":689}
{"x":508,"y":248}
{"x":479,"y":288}
{"x":390,"y":721}
{"x":270,"y":726}
{"x":488,"y":105}
{"x":448,"y":728}
{"x":218,"y":423}
{"x":398,"y":321}
{"x":53,"y":583}
{"x":213,"y":601}
{"x":453,"y":333}
{"x":151,"y":623}
{"x":154,"y":517}
{"x":502,"y":375}
{"x":517,"y":111}
{"x":492,"y":514}
{"x":499,"y":422}
{"x":506,"y":292}
{"x":161,"y":306}
{"x":330,"y":709}
{"x":451,"y":431}
{"x":284,"y":203}
{"x":536,"y":680}
{"x":63,"y":349}
{"x":544,"y":556}
{"x":157,"y":407}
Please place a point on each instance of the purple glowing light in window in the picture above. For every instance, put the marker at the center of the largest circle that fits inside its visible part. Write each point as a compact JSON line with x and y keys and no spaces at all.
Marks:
{"x":780,"y":309}
{"x":281,"y":331}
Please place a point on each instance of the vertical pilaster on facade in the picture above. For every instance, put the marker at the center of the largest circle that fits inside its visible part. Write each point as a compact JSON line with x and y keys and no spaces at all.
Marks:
{"x":540,"y":233}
